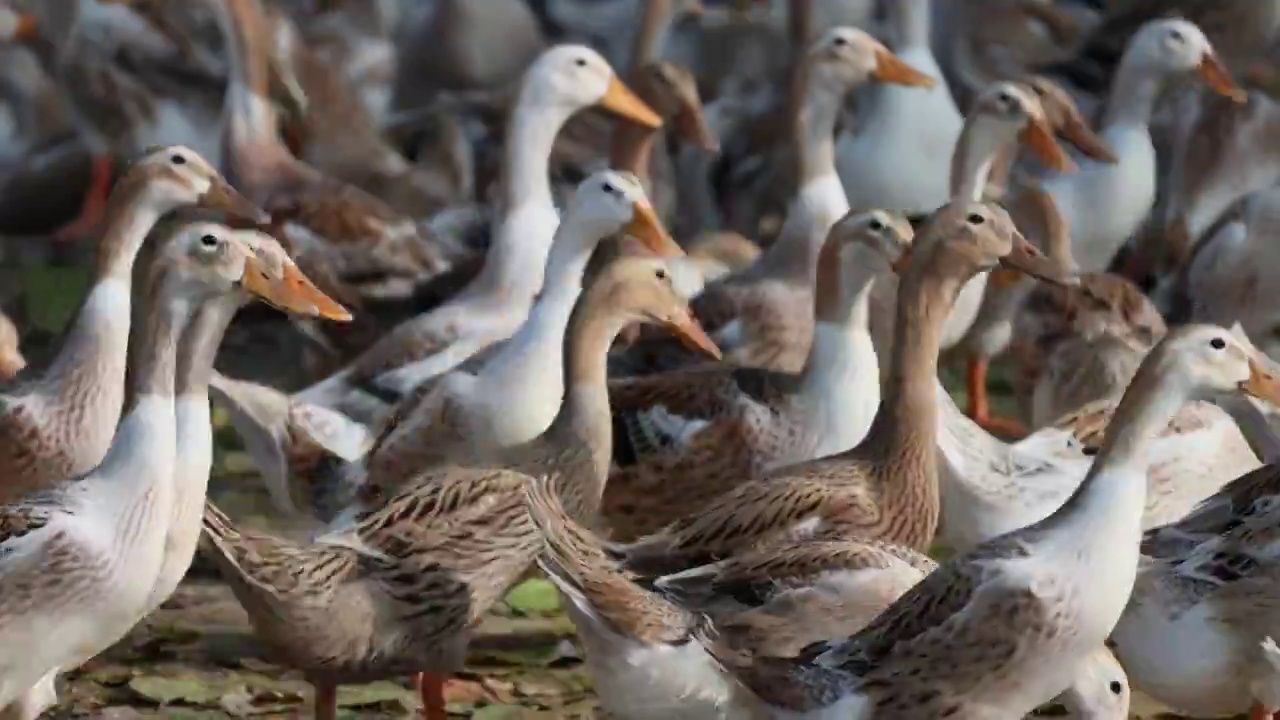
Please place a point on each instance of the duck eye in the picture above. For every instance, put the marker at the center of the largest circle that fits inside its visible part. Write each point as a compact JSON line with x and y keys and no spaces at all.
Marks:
{"x":841,"y":41}
{"x":1177,"y":36}
{"x":580,"y":62}
{"x":209,"y":241}
{"x":177,"y":160}
{"x":1116,"y":687}
{"x":975,"y":219}
{"x":660,"y":273}
{"x":1217,"y":343}
{"x":876,"y":226}
{"x":609,"y":188}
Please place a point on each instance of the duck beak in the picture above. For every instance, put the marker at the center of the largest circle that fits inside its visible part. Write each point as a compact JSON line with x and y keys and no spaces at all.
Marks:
{"x":1038,"y":136}
{"x":1027,"y":259}
{"x":221,"y":196}
{"x":903,"y":263}
{"x":1215,"y":75}
{"x":1004,"y":278}
{"x":691,"y":335}
{"x":26,"y":27}
{"x":892,"y":69}
{"x":291,"y":292}
{"x":691,"y":126}
{"x":1077,"y":132}
{"x":1261,"y":384}
{"x":647,"y":228}
{"x":621,"y":101}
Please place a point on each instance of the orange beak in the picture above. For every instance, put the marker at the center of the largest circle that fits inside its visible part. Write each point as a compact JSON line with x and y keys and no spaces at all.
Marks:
{"x":891,"y":69}
{"x":1004,"y":278}
{"x":1038,"y":136}
{"x":691,"y":335}
{"x":621,"y":101}
{"x":1215,"y":75}
{"x":647,"y":228}
{"x":1261,"y":383}
{"x":1077,"y":132}
{"x":292,"y":291}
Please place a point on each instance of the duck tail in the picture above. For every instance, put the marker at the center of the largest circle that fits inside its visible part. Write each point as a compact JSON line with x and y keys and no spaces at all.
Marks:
{"x":574,"y":559}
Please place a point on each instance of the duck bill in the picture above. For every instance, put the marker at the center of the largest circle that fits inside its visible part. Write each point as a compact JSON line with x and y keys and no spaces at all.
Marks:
{"x":1215,"y":75}
{"x":1038,"y":136}
{"x":1077,"y":132}
{"x":1026,"y":259}
{"x":221,"y":196}
{"x":892,"y":69}
{"x":691,"y":335}
{"x":25,"y":27}
{"x":291,"y":292}
{"x":621,"y":101}
{"x":1261,"y":384}
{"x":691,"y":126}
{"x":647,"y":228}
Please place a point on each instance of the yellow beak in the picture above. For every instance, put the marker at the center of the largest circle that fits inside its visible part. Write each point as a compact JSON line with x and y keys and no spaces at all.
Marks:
{"x":620,"y":100}
{"x":292,"y":291}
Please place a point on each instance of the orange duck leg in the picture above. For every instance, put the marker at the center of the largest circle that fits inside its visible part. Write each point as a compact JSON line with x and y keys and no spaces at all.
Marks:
{"x":980,"y":403}
{"x":94,"y":207}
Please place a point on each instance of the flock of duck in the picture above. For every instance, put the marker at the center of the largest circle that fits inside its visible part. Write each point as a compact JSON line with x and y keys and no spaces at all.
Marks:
{"x":732,"y":463}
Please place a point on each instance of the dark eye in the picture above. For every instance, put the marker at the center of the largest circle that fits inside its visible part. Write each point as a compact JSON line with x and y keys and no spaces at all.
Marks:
{"x":876,"y":226}
{"x":178,"y":160}
{"x":1217,"y":343}
{"x":209,"y":241}
{"x":975,"y":219}
{"x":660,"y":273}
{"x":841,"y":41}
{"x":609,"y":188}
{"x":1116,"y":687}
{"x":1177,"y":36}
{"x":580,"y":62}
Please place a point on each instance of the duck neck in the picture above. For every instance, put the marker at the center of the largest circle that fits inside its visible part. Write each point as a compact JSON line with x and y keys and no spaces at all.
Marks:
{"x":1133,"y":94}
{"x":535,"y":353}
{"x":905,"y":430}
{"x":820,"y":200}
{"x":200,"y":345}
{"x":910,"y":20}
{"x":518,"y":256}
{"x":254,"y":142}
{"x":1115,"y":487}
{"x":584,"y":418}
{"x":632,"y":147}
{"x":94,"y":354}
{"x":975,"y":155}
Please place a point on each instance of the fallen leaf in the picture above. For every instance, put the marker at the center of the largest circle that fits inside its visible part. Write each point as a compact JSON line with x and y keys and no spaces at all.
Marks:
{"x":534,"y":596}
{"x":387,"y":695}
{"x":178,"y":689}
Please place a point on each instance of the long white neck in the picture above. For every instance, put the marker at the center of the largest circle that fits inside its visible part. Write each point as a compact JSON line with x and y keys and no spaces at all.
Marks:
{"x":911,"y":21}
{"x":524,"y":234}
{"x":840,"y":385}
{"x":980,"y":142}
{"x":820,"y":200}
{"x":97,"y":340}
{"x":534,"y":358}
{"x":1133,"y":96}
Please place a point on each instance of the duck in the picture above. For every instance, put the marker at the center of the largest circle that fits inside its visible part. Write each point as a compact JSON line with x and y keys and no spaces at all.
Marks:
{"x":60,"y":423}
{"x":753,"y":315}
{"x":1026,"y":644}
{"x":271,"y":270}
{"x":1006,"y":114}
{"x":563,"y":81}
{"x":1206,"y":579}
{"x":515,"y":392}
{"x":886,"y":487}
{"x":897,"y":155}
{"x":398,"y":584}
{"x":683,"y":437}
{"x":81,"y":555}
{"x":1104,"y":203}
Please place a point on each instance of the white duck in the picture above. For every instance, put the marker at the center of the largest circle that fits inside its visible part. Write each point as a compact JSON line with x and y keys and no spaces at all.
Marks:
{"x":80,"y":560}
{"x":899,"y":154}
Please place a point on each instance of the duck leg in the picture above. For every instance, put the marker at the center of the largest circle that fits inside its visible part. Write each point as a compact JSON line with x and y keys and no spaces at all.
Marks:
{"x":431,"y":690}
{"x":94,"y":207}
{"x":980,"y":405}
{"x":326,"y":702}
